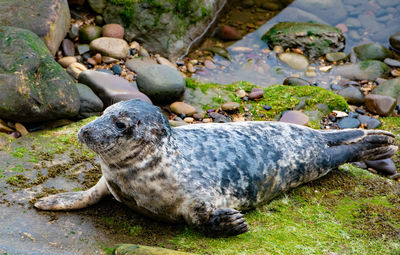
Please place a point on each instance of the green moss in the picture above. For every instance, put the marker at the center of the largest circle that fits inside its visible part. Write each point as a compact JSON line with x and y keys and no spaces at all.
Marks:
{"x":19,"y":152}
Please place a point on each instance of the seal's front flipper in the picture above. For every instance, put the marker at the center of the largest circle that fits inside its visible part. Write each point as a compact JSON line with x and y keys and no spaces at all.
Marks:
{"x":74,"y":200}
{"x":225,"y":222}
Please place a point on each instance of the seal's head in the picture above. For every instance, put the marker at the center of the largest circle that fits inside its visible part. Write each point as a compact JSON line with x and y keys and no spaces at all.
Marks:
{"x":123,"y":126}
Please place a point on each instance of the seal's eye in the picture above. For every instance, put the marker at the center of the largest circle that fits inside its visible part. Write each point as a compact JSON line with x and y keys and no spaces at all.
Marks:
{"x":120,"y":125}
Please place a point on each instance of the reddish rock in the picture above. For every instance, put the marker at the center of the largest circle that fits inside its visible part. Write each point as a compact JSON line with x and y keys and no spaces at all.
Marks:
{"x":228,"y":33}
{"x":113,"y":30}
{"x":97,"y":58}
{"x":256,"y":93}
{"x":295,"y":117}
{"x":381,"y":105}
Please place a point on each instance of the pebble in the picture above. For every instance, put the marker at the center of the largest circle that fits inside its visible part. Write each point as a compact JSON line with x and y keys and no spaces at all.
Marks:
{"x":68,"y":47}
{"x":113,"y":30}
{"x":230,"y":106}
{"x":241,"y":93}
{"x":83,"y":48}
{"x":373,"y":51}
{"x":295,"y":81}
{"x":294,"y":60}
{"x":112,"y":47}
{"x":340,"y":114}
{"x":228,"y":33}
{"x":335,"y":56}
{"x":190,"y":68}
{"x":219,"y":118}
{"x":365,"y":70}
{"x":164,"y":61}
{"x":267,"y":107}
{"x":383,"y":166}
{"x":395,"y":72}
{"x":66,"y":61}
{"x":74,"y":31}
{"x":207,"y":120}
{"x":188,"y":120}
{"x":256,"y":93}
{"x":89,"y":33}
{"x":381,"y":105}
{"x":16,"y":134}
{"x":295,"y":117}
{"x":352,"y":95}
{"x":109,"y":60}
{"x":209,"y":64}
{"x":182,"y":108}
{"x":117,"y":69}
{"x":395,"y":41}
{"x":99,"y":20}
{"x":97,"y":58}
{"x":348,"y":122}
{"x":198,"y":116}
{"x":278,"y":49}
{"x":368,"y":122}
{"x":342,"y":27}
{"x":75,"y":69}
{"x":311,"y":73}
{"x":392,"y":62}
{"x":91,"y":62}
{"x":360,"y":111}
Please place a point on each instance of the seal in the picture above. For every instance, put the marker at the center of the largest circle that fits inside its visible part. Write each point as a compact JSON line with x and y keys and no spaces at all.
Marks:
{"x":204,"y":174}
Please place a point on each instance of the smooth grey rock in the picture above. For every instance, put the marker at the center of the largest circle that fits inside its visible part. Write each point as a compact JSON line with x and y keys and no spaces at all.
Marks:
{"x":49,"y":19}
{"x":294,"y":60}
{"x":335,"y":56}
{"x":138,"y":64}
{"x":183,"y":108}
{"x":370,"y":123}
{"x":110,"y":88}
{"x":373,"y":51}
{"x":161,"y":83}
{"x":365,"y":70}
{"x":90,"y":103}
{"x":392,"y":62}
{"x":34,"y":88}
{"x":389,"y":88}
{"x":348,"y":122}
{"x":112,"y":47}
{"x":295,"y":117}
{"x":352,"y":95}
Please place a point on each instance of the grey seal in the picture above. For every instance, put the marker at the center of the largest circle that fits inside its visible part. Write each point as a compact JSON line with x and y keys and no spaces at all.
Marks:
{"x":204,"y":174}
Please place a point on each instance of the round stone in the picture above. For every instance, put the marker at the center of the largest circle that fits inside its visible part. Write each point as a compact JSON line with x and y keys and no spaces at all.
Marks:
{"x":241,"y":93}
{"x":373,"y":51}
{"x":113,"y":30}
{"x":89,"y":33}
{"x":255,"y":93}
{"x":352,"y":95}
{"x":348,"y":122}
{"x":66,"y":61}
{"x":294,"y":81}
{"x":335,"y":56}
{"x":188,"y":120}
{"x":295,"y":117}
{"x":112,"y":47}
{"x":182,"y":108}
{"x":392,"y":62}
{"x":230,"y":106}
{"x":117,"y":69}
{"x":294,"y":60}
{"x":381,"y":105}
{"x":198,"y":116}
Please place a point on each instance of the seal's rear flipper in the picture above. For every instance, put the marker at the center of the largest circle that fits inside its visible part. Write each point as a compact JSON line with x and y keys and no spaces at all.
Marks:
{"x":74,"y":200}
{"x":359,"y":145}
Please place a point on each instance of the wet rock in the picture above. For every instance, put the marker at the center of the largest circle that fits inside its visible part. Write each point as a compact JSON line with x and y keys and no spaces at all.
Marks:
{"x":348,"y":122}
{"x":97,"y":58}
{"x":175,"y":123}
{"x":73,"y":31}
{"x":352,"y":95}
{"x":311,"y":38}
{"x":91,"y":104}
{"x":295,"y":117}
{"x":230,"y":106}
{"x":392,"y":62}
{"x":161,"y":83}
{"x":21,"y":129}
{"x":389,"y":88}
{"x":114,"y":31}
{"x":112,"y":47}
{"x":219,"y":118}
{"x":395,"y":41}
{"x":365,"y":70}
{"x":228,"y":33}
{"x":335,"y":56}
{"x":83,"y":48}
{"x":180,"y":108}
{"x":294,"y":60}
{"x":68,"y":47}
{"x":164,"y":61}
{"x":89,"y":33}
{"x":138,"y":64}
{"x":295,"y":81}
{"x":383,"y":166}
{"x":381,"y":105}
{"x":373,"y":51}
{"x":45,"y":89}
{"x":368,"y":122}
{"x":353,"y":22}
{"x":110,"y":88}
{"x":117,"y":69}
{"x":256,"y":93}
{"x":75,"y":69}
{"x":324,"y":9}
{"x":66,"y":61}
{"x":198,"y":116}
{"x":49,"y":19}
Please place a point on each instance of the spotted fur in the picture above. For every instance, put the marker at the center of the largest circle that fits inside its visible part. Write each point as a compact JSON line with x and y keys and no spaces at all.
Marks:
{"x":204,"y":173}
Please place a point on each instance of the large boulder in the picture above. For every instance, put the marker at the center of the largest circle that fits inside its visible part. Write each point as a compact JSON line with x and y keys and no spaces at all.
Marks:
{"x":166,"y":27}
{"x":313,"y":39}
{"x":33,"y":87}
{"x":49,"y":19}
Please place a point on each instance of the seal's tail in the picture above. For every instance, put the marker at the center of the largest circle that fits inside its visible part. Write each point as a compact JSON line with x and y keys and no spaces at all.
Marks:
{"x":359,"y":145}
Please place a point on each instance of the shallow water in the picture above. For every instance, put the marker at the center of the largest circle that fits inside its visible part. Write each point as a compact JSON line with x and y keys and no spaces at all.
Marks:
{"x":365,"y":21}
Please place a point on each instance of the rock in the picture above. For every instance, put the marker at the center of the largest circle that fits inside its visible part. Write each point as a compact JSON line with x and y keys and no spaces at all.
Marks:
{"x":373,"y":51}
{"x":73,"y":31}
{"x":389,"y":88}
{"x":395,"y":41}
{"x":97,"y":58}
{"x":348,"y":122}
{"x":112,"y":47}
{"x":89,"y":33}
{"x":133,"y":249}
{"x":352,"y":95}
{"x":49,"y":19}
{"x":230,"y":106}
{"x":21,"y":129}
{"x":165,"y":27}
{"x":117,"y":69}
{"x":383,"y":166}
{"x":381,"y":105}
{"x":66,"y":61}
{"x":110,"y":88}
{"x":209,"y":64}
{"x":295,"y":81}
{"x":218,"y":118}
{"x":198,"y":116}
{"x":207,"y":120}
{"x":143,"y":52}
{"x":332,"y":11}
{"x":392,"y":62}
{"x":365,"y":70}
{"x":3,"y":142}
{"x":109,"y":60}
{"x":241,"y":93}
{"x":75,"y":69}
{"x":295,"y":117}
{"x":68,"y":47}
{"x":182,"y":108}
{"x":311,"y":38}
{"x":114,"y":31}
{"x":98,"y":20}
{"x":294,"y":60}
{"x":97,"y":5}
{"x":91,"y":104}
{"x":5,"y":128}
{"x":164,"y":61}
{"x":83,"y":48}
{"x":335,"y":56}
{"x":368,"y":122}
{"x":310,"y":73}
{"x":256,"y":93}
{"x":228,"y":33}
{"x":188,"y":120}
{"x":175,"y":123}
{"x":161,"y":83}
{"x":34,"y":88}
